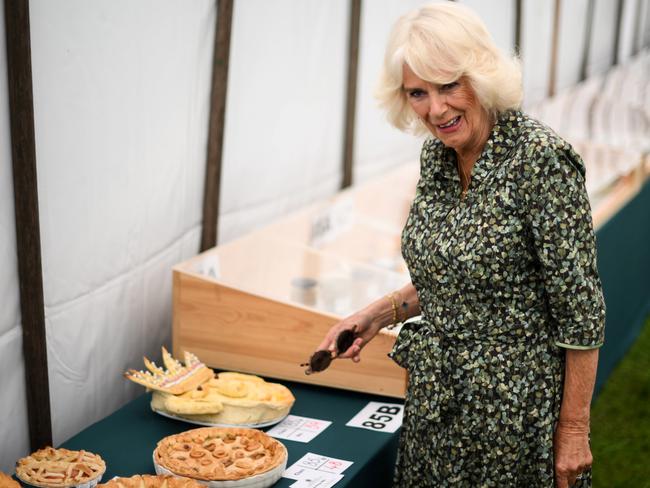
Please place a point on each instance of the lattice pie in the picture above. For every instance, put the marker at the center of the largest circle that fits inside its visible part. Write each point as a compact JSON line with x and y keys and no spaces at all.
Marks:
{"x":152,"y":481}
{"x":215,"y":454}
{"x":60,"y":468}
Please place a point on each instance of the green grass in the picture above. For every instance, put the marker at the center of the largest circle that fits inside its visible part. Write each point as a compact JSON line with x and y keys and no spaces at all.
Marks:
{"x":620,"y":421}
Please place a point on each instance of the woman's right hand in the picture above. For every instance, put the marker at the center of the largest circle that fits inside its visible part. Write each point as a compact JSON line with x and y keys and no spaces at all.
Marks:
{"x":364,"y":333}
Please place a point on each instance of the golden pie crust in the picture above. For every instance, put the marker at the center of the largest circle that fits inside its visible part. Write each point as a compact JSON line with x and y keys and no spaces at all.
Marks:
{"x":60,"y":468}
{"x":7,"y":481}
{"x":229,"y":399}
{"x":220,"y":453}
{"x":152,"y":481}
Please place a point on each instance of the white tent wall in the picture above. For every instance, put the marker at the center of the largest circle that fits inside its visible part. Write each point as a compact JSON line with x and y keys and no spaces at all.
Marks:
{"x":378,"y":145}
{"x":573,"y":24}
{"x":499,"y":17}
{"x":643,"y":38}
{"x":14,"y":440}
{"x":626,"y":42}
{"x":285,"y":110}
{"x":601,"y":55}
{"x":536,"y":55}
{"x":121,"y":100}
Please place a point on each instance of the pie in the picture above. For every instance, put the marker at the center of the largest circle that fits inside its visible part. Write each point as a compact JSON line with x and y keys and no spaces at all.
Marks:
{"x":220,"y":453}
{"x":60,"y":468}
{"x":152,"y":481}
{"x":7,"y":481}
{"x":228,"y":399}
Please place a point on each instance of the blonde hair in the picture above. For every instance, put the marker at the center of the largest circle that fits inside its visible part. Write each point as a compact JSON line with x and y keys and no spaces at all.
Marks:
{"x":440,"y":43}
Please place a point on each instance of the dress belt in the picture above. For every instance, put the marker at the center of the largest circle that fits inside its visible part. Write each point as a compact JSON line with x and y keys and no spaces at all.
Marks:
{"x":429,"y":357}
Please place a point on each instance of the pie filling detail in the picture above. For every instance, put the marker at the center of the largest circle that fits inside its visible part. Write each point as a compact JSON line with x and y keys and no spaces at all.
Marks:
{"x":58,"y":468}
{"x":213,"y":453}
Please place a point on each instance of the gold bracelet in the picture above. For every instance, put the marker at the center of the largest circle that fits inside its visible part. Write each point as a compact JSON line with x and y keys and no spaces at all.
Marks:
{"x":393,"y":303}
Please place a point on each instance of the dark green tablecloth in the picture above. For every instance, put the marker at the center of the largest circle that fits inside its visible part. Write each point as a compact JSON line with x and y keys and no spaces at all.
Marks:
{"x":127,"y":438}
{"x":624,"y":267}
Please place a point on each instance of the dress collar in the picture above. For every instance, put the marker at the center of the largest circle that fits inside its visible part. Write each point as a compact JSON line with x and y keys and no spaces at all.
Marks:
{"x":502,"y":138}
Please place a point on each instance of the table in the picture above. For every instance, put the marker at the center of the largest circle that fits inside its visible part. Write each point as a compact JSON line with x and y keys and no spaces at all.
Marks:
{"x":127,"y":438}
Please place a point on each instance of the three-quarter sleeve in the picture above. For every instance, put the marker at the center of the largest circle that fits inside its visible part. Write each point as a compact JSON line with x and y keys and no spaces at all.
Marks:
{"x":563,"y":241}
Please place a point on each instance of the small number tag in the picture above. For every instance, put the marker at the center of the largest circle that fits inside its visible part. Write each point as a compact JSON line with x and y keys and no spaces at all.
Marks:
{"x":380,"y":417}
{"x":210,"y":266}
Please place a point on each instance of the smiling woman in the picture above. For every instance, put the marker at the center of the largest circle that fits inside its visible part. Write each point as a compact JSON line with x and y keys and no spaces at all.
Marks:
{"x":440,"y":45}
{"x":501,"y":253}
{"x":453,"y":114}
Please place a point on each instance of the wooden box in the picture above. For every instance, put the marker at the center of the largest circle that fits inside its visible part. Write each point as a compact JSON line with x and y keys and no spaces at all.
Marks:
{"x":262,"y":303}
{"x":237,"y":307}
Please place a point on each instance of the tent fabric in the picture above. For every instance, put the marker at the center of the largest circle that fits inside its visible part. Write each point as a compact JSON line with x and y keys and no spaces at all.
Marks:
{"x":89,"y":351}
{"x":121,"y":109}
{"x":121,"y":102}
{"x":378,"y":146}
{"x":287,"y":65}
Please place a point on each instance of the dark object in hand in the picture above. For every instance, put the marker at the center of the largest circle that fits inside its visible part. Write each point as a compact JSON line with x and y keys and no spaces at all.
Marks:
{"x":320,"y":360}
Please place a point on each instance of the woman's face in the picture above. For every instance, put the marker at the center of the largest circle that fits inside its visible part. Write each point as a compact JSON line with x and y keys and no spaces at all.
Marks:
{"x":451,"y":112}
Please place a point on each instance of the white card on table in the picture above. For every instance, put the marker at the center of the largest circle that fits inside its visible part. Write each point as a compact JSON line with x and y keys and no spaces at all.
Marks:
{"x":380,"y":417}
{"x":300,"y":429}
{"x":315,"y":470}
{"x":318,"y":480}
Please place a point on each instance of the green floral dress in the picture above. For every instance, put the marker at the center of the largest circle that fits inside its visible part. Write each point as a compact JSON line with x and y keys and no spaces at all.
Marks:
{"x":506,"y":278}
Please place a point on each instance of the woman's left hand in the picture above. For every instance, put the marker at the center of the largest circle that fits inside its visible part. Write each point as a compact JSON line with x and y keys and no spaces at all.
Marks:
{"x":572,"y":452}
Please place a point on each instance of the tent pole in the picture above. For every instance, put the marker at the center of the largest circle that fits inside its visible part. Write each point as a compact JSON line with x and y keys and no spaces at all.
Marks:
{"x":637,"y":28}
{"x":221,"y":56}
{"x":351,"y":92}
{"x":617,"y":34}
{"x":518,"y":24}
{"x":555,"y":41}
{"x":587,"y":40}
{"x":28,"y":237}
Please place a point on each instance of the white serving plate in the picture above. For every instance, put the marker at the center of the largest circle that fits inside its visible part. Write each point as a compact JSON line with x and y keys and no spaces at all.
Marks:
{"x":208,"y":424}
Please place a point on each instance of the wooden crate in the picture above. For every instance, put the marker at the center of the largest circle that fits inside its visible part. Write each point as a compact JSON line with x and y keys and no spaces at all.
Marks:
{"x":237,"y":308}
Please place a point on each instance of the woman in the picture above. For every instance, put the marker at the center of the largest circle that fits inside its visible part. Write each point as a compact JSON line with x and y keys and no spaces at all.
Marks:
{"x":500,"y":248}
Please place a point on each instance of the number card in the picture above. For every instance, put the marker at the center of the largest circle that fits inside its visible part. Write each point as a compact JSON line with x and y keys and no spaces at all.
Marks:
{"x":316,"y":471}
{"x":380,"y":417}
{"x":299,"y":429}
